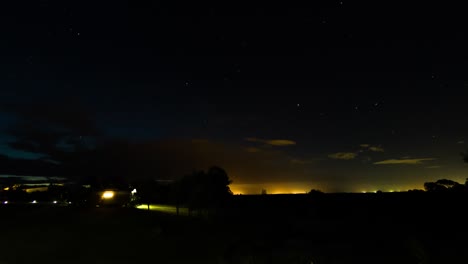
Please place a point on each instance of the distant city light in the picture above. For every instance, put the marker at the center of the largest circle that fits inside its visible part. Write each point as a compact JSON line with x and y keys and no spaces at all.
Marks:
{"x":34,"y":201}
{"x":55,"y":202}
{"x":5,"y":202}
{"x":108,"y":195}
{"x":134,"y":191}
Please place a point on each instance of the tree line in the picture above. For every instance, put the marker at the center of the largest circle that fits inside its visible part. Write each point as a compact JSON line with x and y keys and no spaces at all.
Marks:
{"x":199,"y":191}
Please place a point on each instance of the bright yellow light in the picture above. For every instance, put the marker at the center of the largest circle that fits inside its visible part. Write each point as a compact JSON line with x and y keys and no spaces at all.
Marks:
{"x":108,"y":195}
{"x":6,"y":188}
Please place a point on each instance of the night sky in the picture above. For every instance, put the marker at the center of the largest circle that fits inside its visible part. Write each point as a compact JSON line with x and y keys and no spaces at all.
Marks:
{"x":337,"y":96}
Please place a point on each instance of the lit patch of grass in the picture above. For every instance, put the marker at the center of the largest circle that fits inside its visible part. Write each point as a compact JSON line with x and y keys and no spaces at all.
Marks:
{"x":163,"y":208}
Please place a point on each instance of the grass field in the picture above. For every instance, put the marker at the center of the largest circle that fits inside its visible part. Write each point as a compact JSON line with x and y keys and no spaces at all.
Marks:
{"x":102,"y":235}
{"x":260,"y":233}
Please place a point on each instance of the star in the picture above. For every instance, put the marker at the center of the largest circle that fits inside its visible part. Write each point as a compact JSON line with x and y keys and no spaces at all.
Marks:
{"x":298,"y":105}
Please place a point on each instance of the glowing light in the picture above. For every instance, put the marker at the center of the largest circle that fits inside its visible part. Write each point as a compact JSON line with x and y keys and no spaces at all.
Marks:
{"x":108,"y":195}
{"x":134,"y":191}
{"x":54,"y":202}
{"x":5,"y":202}
{"x":6,"y":188}
{"x":297,"y":192}
{"x":34,"y":202}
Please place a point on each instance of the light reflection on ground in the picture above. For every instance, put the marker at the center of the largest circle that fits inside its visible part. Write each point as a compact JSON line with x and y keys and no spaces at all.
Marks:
{"x":163,"y":208}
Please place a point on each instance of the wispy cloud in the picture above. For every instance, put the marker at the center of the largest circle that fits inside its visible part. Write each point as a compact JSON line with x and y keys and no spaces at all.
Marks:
{"x":353,"y":155}
{"x":343,"y":155}
{"x":461,"y":142}
{"x":403,"y":161}
{"x":371,"y":148}
{"x":273,"y":142}
{"x":433,"y":167}
{"x":281,"y":142}
{"x":252,"y":149}
{"x":376,"y":149}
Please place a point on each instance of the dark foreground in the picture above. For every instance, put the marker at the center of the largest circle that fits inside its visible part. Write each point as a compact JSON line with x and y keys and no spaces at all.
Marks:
{"x":331,"y":229}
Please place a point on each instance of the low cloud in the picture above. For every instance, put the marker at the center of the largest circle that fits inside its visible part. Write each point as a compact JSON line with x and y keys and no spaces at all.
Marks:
{"x":343,"y":155}
{"x":433,"y":167}
{"x":281,"y":142}
{"x":376,"y":149}
{"x":403,"y":161}
{"x":461,"y":142}
{"x":371,"y":148}
{"x":273,"y":142}
{"x":353,"y":155}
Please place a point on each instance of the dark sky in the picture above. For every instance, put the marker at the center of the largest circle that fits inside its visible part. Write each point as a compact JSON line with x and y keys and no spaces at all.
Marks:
{"x":337,"y":96}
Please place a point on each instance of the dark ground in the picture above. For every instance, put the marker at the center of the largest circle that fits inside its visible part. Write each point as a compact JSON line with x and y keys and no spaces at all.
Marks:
{"x":361,"y":228}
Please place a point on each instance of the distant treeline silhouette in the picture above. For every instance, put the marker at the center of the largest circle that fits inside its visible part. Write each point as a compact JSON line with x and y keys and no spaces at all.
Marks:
{"x":444,"y":185}
{"x":200,"y":190}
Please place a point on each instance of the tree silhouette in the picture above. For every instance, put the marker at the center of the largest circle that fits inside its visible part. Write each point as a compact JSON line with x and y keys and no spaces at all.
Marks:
{"x":204,"y":190}
{"x":434,"y":187}
{"x":449,"y":184}
{"x":146,"y":192}
{"x":315,"y":192}
{"x":444,"y":185}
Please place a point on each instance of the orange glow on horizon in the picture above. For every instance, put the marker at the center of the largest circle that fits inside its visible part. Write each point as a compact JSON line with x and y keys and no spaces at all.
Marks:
{"x":305,"y":187}
{"x":272,"y":188}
